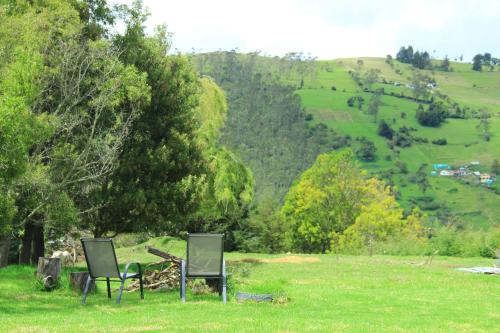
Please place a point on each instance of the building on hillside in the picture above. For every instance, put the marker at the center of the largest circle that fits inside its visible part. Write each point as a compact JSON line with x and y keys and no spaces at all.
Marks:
{"x":488,"y":182}
{"x":441,"y":166}
{"x":475,"y":163}
{"x":476,"y":173}
{"x":447,"y":173}
{"x":485,"y":178}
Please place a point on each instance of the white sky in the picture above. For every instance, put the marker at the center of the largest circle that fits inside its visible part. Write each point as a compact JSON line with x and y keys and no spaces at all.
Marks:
{"x":331,"y":29}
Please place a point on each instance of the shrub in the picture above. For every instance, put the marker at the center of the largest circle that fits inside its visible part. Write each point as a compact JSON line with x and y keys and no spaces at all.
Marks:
{"x":366,"y":151}
{"x":433,"y":116}
{"x":385,"y":130}
{"x":440,"y":142}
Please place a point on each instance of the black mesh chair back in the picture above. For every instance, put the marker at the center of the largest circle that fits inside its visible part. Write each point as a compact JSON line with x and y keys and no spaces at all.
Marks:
{"x":204,"y":255}
{"x":205,"y":259}
{"x":101,"y":262}
{"x":101,"y":258}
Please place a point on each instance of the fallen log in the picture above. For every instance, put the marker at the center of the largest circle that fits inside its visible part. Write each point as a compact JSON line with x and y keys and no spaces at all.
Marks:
{"x":164,"y":255}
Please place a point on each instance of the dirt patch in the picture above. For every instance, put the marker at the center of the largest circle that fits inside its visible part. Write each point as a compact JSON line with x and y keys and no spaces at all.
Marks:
{"x":326,"y":115}
{"x":288,"y":260}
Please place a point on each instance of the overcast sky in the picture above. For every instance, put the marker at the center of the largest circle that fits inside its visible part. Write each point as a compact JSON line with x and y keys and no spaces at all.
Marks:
{"x":331,"y":29}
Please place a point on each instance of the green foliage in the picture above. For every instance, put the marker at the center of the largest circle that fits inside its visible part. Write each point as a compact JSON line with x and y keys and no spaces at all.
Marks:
{"x":477,"y":62}
{"x":373,"y":106}
{"x":160,"y":168}
{"x":495,"y":167}
{"x":434,"y":116}
{"x":326,"y":200}
{"x":266,"y":124}
{"x":7,"y":210}
{"x":366,"y":151}
{"x":418,"y":59}
{"x":264,"y":230}
{"x":440,"y":142}
{"x":19,"y":127}
{"x":385,"y":130}
{"x":445,"y":64}
{"x":378,"y":220}
{"x":356,"y":101}
{"x":421,"y":178}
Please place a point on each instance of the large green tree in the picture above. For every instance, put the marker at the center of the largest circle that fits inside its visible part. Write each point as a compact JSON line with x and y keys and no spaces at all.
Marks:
{"x":156,"y":185}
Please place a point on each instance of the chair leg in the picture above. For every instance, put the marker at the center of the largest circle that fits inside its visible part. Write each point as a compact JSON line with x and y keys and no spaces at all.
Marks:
{"x":119,"y":298}
{"x":109,"y":287}
{"x":183,"y":281}
{"x":141,"y":286}
{"x":86,"y":289}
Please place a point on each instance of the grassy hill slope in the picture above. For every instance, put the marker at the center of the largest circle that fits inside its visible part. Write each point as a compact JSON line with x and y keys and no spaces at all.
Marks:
{"x":476,"y":205}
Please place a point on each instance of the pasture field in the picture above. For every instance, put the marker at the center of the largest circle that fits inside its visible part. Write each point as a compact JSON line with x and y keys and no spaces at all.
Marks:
{"x":318,"y":293}
{"x":476,"y":90}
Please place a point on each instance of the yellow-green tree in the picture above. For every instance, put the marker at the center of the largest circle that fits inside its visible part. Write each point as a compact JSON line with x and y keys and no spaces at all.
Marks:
{"x":379,"y":219}
{"x":325,"y":201}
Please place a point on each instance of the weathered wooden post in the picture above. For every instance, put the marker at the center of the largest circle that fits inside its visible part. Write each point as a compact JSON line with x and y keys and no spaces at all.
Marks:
{"x":77,"y":281}
{"x":48,"y":272}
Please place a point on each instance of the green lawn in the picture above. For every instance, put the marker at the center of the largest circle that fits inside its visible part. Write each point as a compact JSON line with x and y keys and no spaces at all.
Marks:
{"x":326,"y":294}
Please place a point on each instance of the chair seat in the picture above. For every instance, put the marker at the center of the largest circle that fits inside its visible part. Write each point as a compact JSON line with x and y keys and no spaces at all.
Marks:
{"x":129,"y":275}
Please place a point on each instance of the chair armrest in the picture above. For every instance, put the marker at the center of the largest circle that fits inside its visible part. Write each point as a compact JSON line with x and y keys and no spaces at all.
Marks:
{"x":128,"y":266}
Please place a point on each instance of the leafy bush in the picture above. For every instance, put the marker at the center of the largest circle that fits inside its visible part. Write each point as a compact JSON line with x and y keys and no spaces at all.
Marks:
{"x":435,"y":114}
{"x":355,"y":100}
{"x":366,"y":151}
{"x":385,"y":130}
{"x":440,"y":142}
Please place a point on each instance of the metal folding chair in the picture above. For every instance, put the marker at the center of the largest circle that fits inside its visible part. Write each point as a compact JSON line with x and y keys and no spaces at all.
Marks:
{"x":205,"y":259}
{"x":101,"y":262}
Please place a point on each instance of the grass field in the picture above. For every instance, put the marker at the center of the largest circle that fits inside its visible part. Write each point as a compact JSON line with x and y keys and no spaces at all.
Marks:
{"x":465,"y":144}
{"x":325,"y":293}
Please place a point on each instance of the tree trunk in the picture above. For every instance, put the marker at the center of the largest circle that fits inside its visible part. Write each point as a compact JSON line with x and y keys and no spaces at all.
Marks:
{"x":26,"y":243}
{"x":77,"y":281}
{"x":4,"y":250}
{"x":38,"y":248}
{"x":48,"y":271}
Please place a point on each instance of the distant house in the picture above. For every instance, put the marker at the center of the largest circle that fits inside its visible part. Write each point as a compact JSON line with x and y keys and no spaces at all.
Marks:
{"x":474,"y":163}
{"x":461,"y":172}
{"x":485,"y":178}
{"x":397,"y":84}
{"x":441,"y":166}
{"x":447,"y":173}
{"x":477,"y":173}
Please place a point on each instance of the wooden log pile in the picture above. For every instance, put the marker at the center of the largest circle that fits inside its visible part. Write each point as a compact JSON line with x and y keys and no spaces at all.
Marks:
{"x":160,"y":278}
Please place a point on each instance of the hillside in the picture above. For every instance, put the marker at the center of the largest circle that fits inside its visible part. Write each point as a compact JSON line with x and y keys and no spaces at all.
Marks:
{"x":473,"y":204}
